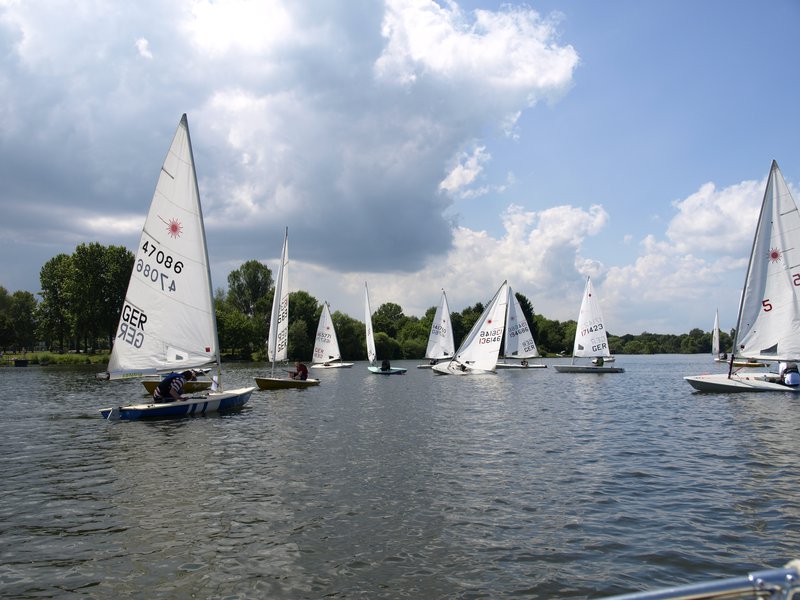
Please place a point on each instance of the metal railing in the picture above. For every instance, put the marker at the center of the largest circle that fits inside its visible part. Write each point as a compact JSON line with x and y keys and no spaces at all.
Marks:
{"x":772,"y":584}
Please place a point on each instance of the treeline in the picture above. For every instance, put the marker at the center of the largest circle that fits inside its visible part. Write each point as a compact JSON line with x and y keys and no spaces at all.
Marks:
{"x":82,"y":294}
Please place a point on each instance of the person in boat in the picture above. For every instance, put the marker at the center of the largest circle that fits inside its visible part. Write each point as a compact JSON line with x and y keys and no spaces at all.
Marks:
{"x":598,"y":362}
{"x":790,"y":375}
{"x":386,"y":365}
{"x":170,"y":389}
{"x":300,"y":372}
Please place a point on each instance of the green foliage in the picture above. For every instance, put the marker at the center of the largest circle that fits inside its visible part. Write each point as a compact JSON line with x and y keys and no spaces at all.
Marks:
{"x":82,"y":296}
{"x":248,"y":287}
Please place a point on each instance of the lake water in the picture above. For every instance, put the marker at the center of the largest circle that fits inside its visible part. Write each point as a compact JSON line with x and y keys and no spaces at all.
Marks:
{"x":530,"y":484}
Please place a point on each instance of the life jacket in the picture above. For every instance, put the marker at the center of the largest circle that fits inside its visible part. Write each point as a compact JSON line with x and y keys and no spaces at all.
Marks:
{"x":162,"y":391}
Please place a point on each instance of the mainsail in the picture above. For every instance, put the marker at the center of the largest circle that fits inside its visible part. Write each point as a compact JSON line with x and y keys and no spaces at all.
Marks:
{"x":168,"y":321}
{"x":518,"y":337}
{"x":368,"y":322}
{"x":479,"y":349}
{"x":768,"y":327}
{"x":590,"y":334}
{"x":326,"y":346}
{"x":278,"y":342}
{"x":440,"y":340}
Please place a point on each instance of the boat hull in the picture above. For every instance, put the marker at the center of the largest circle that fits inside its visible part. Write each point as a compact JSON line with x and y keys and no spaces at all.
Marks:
{"x":190,"y":387}
{"x":587,"y":369}
{"x":391,"y":371}
{"x":720,"y":382}
{"x":213,"y":402}
{"x":507,"y":365}
{"x":338,"y":365}
{"x":453,"y":368}
{"x":283,"y":383}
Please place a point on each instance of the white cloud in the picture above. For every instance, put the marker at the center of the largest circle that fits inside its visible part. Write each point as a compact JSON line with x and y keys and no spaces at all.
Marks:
{"x":143,"y":46}
{"x":464,"y":173}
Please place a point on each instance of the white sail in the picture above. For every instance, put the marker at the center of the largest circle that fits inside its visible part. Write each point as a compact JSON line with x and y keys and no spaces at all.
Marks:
{"x":278,"y":342}
{"x":368,"y":322}
{"x":768,"y":327}
{"x":590,"y":334}
{"x":518,"y":337}
{"x":715,"y":336}
{"x":168,"y":321}
{"x":481,"y":346}
{"x":326,"y":346}
{"x":440,"y":340}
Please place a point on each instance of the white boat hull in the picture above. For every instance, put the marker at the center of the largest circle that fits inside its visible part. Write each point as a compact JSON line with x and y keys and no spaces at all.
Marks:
{"x":213,"y":402}
{"x":338,"y":365}
{"x":720,"y":382}
{"x":517,"y":365}
{"x":454,"y":368}
{"x":587,"y":369}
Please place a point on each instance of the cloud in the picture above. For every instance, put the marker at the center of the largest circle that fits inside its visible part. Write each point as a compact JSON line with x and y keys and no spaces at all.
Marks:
{"x":143,"y":46}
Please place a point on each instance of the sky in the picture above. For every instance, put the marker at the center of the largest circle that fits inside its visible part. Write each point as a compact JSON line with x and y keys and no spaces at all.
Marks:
{"x":414,"y":144}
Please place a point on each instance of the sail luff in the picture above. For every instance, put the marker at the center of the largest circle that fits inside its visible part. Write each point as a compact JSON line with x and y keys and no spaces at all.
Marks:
{"x":215,"y":338}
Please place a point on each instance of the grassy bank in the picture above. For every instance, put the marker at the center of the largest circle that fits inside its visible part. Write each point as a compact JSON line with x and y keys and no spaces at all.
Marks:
{"x":52,"y":358}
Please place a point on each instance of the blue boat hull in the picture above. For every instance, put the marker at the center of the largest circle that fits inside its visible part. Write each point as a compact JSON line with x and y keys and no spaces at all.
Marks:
{"x":214,"y":402}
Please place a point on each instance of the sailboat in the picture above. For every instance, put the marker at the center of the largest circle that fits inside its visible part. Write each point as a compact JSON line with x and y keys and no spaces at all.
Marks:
{"x":326,"y":345}
{"x":518,"y":344}
{"x":168,"y":321}
{"x":479,"y":350}
{"x":278,"y":339}
{"x":440,"y":340}
{"x":768,"y":326}
{"x":722,"y":357}
{"x":591,"y":340}
{"x":384,"y":369}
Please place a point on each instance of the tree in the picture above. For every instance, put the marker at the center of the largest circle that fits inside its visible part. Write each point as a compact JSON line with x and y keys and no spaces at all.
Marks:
{"x":55,"y":316}
{"x":23,"y":319}
{"x":248,"y":287}
{"x":389,"y":318}
{"x":351,"y":335}
{"x":387,"y":347}
{"x":301,"y":346}
{"x":118,"y":262}
{"x":304,"y":307}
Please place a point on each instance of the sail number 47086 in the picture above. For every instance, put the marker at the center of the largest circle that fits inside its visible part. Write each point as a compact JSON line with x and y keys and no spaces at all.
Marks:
{"x":157,"y":274}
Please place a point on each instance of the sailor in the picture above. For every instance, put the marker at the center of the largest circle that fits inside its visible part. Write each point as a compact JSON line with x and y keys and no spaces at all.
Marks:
{"x":790,"y":375}
{"x":300,"y":372}
{"x":170,"y":389}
